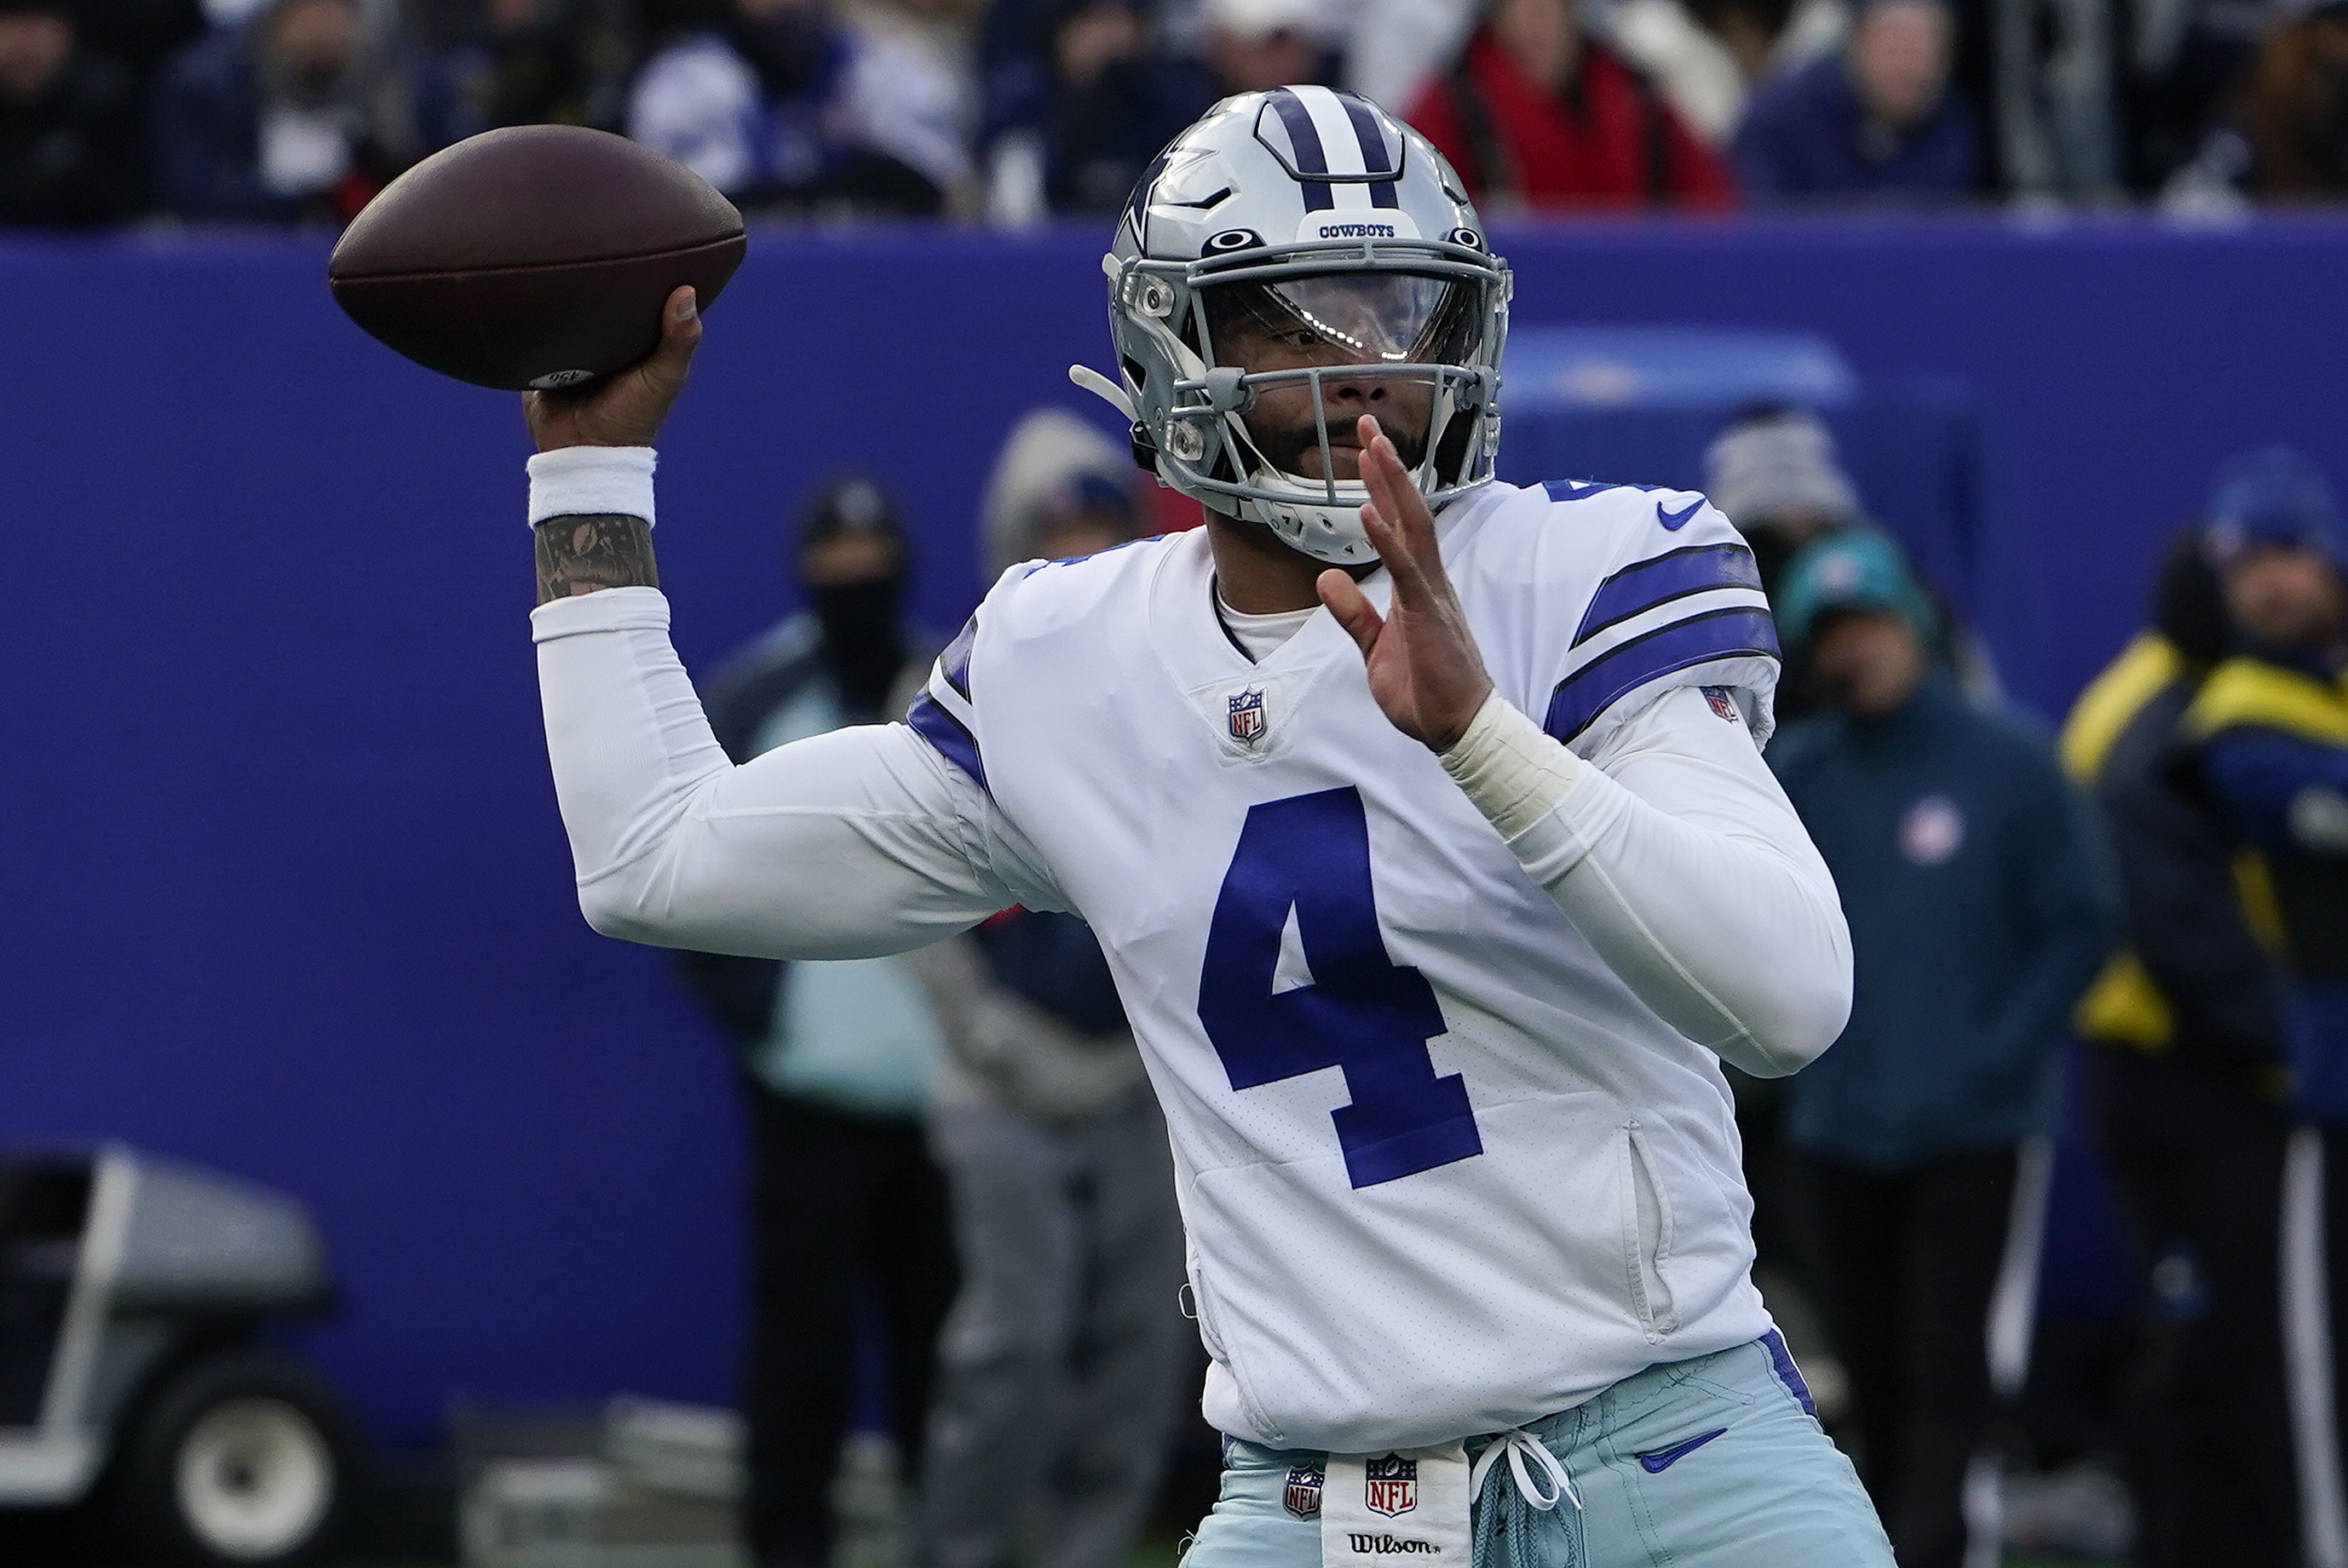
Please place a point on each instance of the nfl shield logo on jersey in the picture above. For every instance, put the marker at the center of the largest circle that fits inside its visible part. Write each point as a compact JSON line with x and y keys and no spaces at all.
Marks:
{"x":1247,"y":716}
{"x":1393,"y":1485}
{"x":1303,"y":1495}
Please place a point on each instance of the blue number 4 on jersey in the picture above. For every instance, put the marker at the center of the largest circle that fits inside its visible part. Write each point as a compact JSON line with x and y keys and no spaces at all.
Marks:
{"x":1362,"y":1012}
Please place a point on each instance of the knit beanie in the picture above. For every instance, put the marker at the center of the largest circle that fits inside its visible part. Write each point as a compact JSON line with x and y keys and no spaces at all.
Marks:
{"x":2271,"y":496}
{"x":1858,"y":569}
{"x":1770,"y":464}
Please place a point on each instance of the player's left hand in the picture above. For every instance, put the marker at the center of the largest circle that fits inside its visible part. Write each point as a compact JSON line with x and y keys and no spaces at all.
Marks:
{"x":1424,"y":667}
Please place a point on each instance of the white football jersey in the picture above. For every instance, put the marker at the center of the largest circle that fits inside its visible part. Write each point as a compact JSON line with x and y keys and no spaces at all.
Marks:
{"x":1443,"y":1172}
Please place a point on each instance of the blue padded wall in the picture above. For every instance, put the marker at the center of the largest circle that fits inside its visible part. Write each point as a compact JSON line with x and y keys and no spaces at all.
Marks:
{"x":286,"y":888}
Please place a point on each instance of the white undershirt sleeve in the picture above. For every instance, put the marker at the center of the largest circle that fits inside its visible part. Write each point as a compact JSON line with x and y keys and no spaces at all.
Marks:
{"x":856,"y":844}
{"x":1678,"y":857}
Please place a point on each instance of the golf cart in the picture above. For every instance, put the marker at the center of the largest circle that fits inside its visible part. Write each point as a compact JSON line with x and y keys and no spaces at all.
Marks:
{"x":134,"y":1388}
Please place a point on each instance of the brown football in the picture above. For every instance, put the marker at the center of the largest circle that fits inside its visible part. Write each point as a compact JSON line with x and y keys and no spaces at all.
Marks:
{"x":537,"y":256}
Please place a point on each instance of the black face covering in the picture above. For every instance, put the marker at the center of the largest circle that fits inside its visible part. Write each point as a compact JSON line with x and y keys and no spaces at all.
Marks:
{"x":860,"y":635}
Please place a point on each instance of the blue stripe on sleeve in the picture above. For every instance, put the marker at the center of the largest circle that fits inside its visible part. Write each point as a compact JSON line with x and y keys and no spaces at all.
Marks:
{"x":1597,"y":685}
{"x":943,"y":730}
{"x":1662,"y":579}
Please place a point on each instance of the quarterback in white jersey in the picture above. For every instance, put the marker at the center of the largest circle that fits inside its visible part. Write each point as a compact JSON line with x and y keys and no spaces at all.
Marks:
{"x":1423,"y":822}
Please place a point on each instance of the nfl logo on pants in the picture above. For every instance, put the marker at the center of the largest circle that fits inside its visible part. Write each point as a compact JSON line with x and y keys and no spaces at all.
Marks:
{"x":1393,"y":1485}
{"x":1303,"y":1494}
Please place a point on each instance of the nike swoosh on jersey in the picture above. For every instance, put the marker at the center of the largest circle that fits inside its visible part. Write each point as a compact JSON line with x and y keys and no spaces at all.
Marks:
{"x":1654,"y":1462}
{"x":1674,"y":521}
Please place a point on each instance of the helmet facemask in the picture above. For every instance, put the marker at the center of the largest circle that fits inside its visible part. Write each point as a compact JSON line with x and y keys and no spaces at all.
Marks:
{"x":1275,"y":359}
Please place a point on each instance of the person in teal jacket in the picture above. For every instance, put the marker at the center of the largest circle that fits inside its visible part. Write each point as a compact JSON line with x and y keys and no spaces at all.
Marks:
{"x":1980,"y":908}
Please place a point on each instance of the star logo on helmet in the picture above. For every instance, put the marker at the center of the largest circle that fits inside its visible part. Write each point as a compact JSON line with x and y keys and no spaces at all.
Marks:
{"x":1137,"y":210}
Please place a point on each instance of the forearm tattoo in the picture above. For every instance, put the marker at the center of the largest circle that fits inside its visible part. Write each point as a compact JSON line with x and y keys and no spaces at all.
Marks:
{"x":584,"y":554}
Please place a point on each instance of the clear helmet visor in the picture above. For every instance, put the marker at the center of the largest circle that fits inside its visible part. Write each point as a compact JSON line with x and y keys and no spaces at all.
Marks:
{"x":1354,"y":318}
{"x":1319,"y":352}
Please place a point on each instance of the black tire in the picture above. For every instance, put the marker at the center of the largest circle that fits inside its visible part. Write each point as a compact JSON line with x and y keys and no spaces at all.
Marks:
{"x":241,"y":1460}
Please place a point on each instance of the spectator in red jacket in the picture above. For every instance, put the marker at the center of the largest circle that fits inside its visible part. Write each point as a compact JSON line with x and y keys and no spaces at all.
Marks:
{"x":1538,"y":114}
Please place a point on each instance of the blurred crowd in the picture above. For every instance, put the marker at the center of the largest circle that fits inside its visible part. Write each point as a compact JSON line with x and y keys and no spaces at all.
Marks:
{"x":2165,"y":881}
{"x":959,"y":1149}
{"x":1015,"y":111}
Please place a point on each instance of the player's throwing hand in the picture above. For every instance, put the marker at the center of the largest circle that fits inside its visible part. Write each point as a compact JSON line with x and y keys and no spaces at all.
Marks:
{"x":625,"y":409}
{"x":1424,"y":667}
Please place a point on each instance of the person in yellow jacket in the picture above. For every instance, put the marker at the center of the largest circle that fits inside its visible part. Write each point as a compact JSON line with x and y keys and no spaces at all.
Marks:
{"x":2186,"y":1097}
{"x":2269,"y":731}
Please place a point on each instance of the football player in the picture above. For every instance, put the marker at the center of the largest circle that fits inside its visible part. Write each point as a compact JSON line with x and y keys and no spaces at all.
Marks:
{"x":1423,"y":821}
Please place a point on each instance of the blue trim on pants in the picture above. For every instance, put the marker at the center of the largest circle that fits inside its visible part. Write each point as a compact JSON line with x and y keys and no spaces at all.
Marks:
{"x":1781,"y":1360}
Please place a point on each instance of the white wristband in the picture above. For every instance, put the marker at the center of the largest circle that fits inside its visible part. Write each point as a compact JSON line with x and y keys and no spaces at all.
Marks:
{"x":1511,"y":768}
{"x":590,"y":481}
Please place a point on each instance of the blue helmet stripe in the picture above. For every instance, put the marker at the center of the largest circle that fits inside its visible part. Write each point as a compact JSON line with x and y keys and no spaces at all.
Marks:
{"x":1369,"y":133}
{"x":1371,"y":136}
{"x":1304,"y":138}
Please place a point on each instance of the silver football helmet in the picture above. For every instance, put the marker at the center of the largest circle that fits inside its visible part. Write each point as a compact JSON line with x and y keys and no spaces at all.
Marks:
{"x":1302,"y":250}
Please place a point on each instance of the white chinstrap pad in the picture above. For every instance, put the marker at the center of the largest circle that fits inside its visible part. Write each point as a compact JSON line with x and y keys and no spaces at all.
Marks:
{"x":1411,"y":1503}
{"x":591,"y":481}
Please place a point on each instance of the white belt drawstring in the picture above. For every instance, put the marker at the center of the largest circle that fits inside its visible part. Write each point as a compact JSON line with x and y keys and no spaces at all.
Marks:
{"x":1516,"y":1442}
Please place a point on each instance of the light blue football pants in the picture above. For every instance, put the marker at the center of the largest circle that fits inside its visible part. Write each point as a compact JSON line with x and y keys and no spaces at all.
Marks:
{"x":1716,"y":1462}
